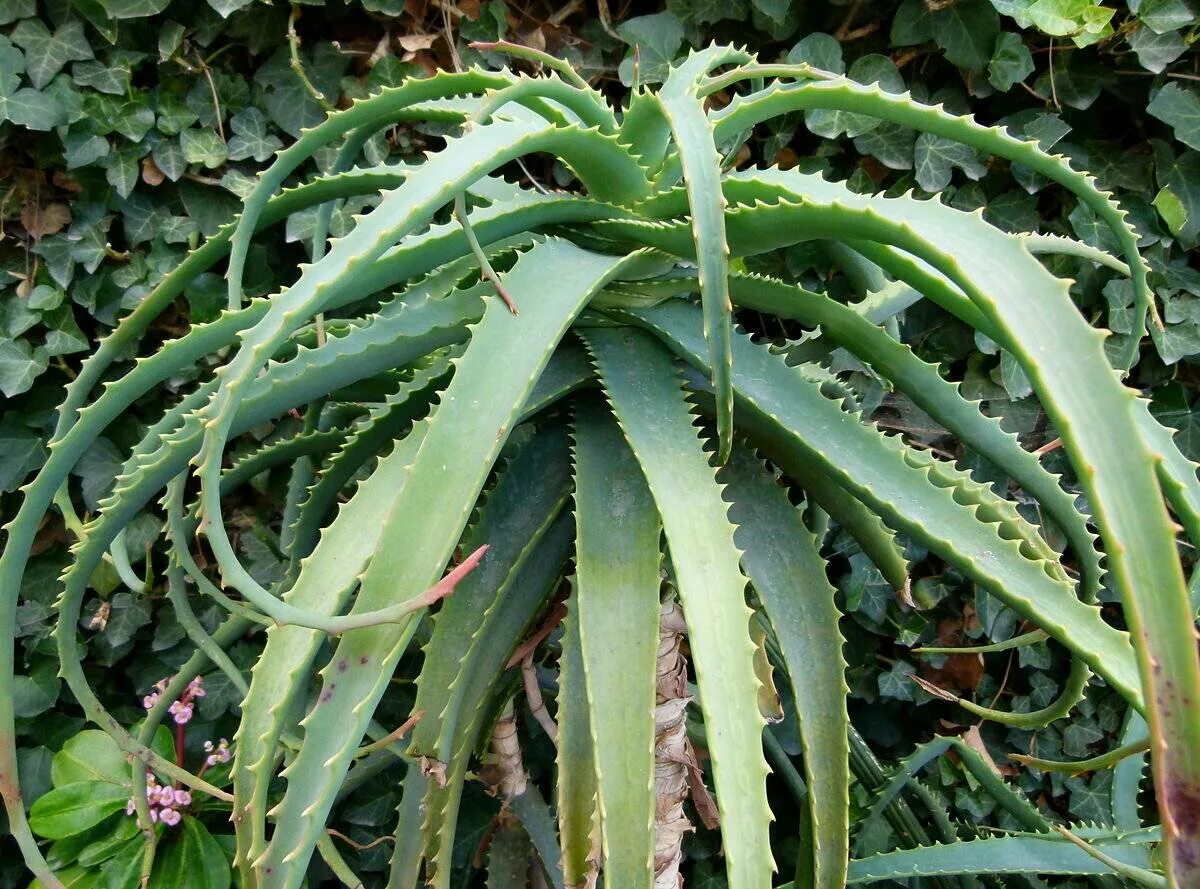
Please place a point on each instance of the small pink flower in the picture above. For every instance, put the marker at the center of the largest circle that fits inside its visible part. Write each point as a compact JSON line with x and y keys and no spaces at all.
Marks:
{"x":182,"y":798}
{"x":150,"y":700}
{"x":130,"y":808}
{"x":154,"y":816}
{"x":169,"y":817}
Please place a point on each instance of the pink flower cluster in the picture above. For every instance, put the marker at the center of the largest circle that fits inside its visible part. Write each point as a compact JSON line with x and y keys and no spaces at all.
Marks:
{"x":218,"y":754}
{"x":165,"y":802}
{"x":183,"y":709}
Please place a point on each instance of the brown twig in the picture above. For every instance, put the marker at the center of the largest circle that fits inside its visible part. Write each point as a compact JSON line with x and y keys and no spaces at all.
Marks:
{"x":533,"y":695}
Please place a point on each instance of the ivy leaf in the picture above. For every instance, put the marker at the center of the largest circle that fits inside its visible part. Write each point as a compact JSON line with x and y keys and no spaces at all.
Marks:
{"x":889,"y":143}
{"x":775,"y":10}
{"x":134,"y":9}
{"x":63,"y":335}
{"x":1177,"y":341}
{"x":45,"y":52}
{"x":966,"y":32}
{"x":250,"y":137}
{"x":868,"y":69}
{"x":20,"y":365}
{"x":21,"y":452}
{"x":226,"y":8}
{"x":31,"y":109}
{"x":12,"y":10}
{"x":121,"y":170}
{"x":819,"y":50}
{"x":168,"y":157}
{"x":1156,"y":51}
{"x":101,"y":77}
{"x":897,"y":682}
{"x":1011,"y":62}
{"x":656,"y":40}
{"x":128,"y":614}
{"x":1180,"y":108}
{"x":912,"y":24}
{"x":286,"y":98}
{"x":1172,"y":211}
{"x":1161,"y":16}
{"x":97,"y":468}
{"x":1181,"y":175}
{"x":12,"y":63}
{"x":935,"y":157}
{"x":203,"y":147}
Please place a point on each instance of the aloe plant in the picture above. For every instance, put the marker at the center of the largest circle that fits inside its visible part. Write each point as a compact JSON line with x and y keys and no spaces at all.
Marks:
{"x":528,"y":388}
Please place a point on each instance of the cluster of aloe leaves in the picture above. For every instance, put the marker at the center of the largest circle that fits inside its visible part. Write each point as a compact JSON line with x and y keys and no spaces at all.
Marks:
{"x":614,"y":428}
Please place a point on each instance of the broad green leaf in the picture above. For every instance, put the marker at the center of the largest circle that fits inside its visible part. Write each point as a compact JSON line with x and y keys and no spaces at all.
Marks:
{"x":1179,"y":107}
{"x":134,"y":9}
{"x":46,"y":52}
{"x":123,"y":870}
{"x":202,"y":146}
{"x":966,"y":31}
{"x":1011,"y":62}
{"x":1172,"y":211}
{"x":1181,"y":176}
{"x":32,"y":109}
{"x":250,"y":137}
{"x":1162,"y":16}
{"x":868,"y":69}
{"x":935,"y":158}
{"x":1156,"y":51}
{"x":655,"y":40}
{"x":21,"y":451}
{"x":819,"y":50}
{"x":189,"y":856}
{"x":90,"y":756}
{"x":73,"y":808}
{"x":20,"y":365}
{"x":912,"y":24}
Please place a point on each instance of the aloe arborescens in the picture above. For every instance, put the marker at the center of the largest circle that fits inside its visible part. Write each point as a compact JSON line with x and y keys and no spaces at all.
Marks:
{"x":576,"y":430}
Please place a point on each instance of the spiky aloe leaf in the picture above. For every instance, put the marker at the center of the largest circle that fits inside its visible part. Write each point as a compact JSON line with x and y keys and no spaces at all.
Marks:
{"x":1064,"y":358}
{"x":482,"y":685}
{"x":998,"y":855}
{"x":701,"y":164}
{"x":578,"y":802}
{"x":616,"y":589}
{"x":448,"y":469}
{"x":644,"y":391}
{"x":809,"y":426}
{"x":781,"y":558}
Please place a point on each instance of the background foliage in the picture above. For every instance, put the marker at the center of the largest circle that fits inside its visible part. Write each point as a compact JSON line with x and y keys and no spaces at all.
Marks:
{"x":130,"y":128}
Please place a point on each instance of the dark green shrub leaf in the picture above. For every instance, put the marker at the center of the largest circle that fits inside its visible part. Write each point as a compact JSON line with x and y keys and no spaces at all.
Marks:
{"x":1179,"y":107}
{"x":90,"y":756}
{"x":191,"y":857}
{"x":73,"y":808}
